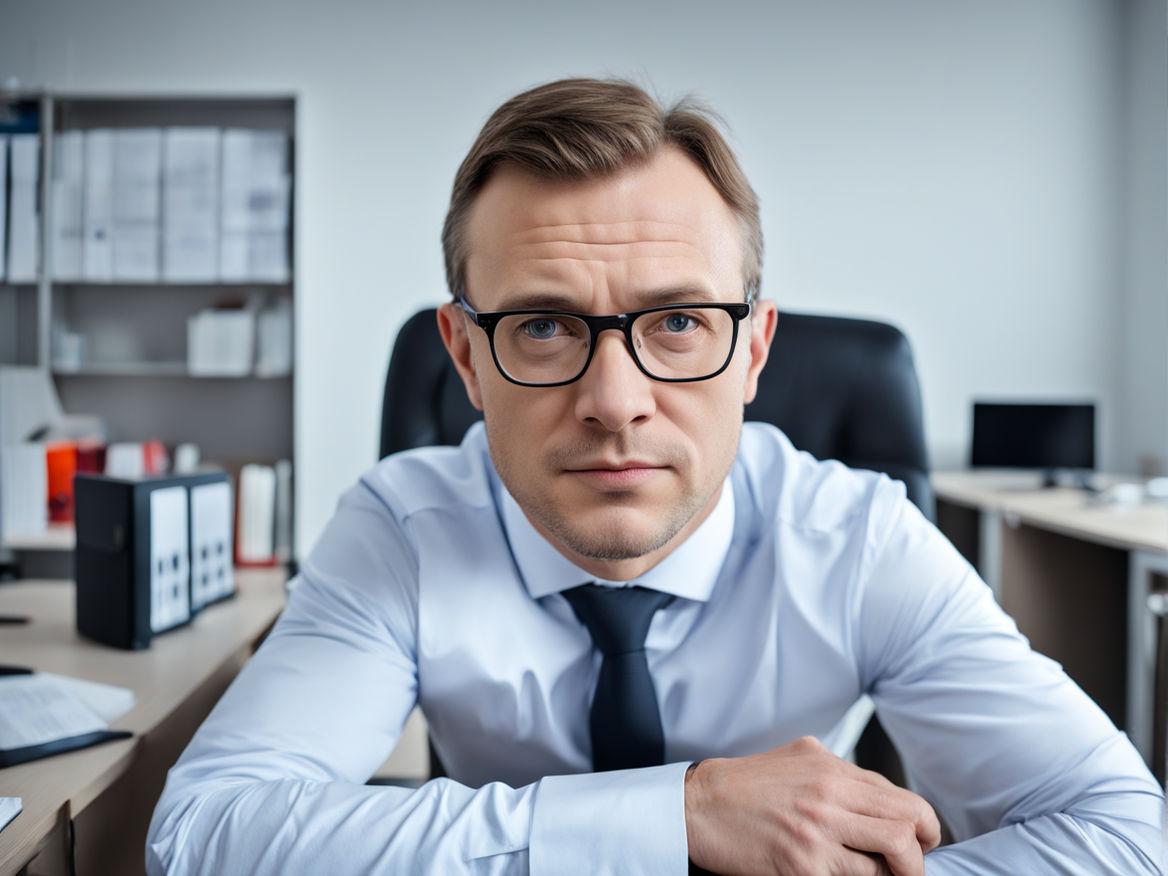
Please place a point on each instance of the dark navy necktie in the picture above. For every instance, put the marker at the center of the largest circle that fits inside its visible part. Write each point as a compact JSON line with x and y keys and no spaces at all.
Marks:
{"x":625,"y":721}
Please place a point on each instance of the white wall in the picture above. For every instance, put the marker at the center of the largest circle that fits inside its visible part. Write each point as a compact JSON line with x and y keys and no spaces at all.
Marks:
{"x":952,"y":167}
{"x":1143,"y":232}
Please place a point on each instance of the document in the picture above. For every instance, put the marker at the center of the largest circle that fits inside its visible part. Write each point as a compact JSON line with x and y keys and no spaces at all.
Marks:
{"x":43,"y":713}
{"x":9,"y":808}
{"x":38,"y":709}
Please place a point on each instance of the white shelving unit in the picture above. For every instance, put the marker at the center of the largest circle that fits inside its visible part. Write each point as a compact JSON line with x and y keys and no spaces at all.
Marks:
{"x":133,"y":371}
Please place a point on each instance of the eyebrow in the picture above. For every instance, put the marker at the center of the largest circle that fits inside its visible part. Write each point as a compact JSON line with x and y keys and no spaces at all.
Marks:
{"x":651,"y":298}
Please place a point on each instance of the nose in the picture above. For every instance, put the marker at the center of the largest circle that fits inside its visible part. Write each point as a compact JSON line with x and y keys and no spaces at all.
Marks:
{"x":614,"y":393}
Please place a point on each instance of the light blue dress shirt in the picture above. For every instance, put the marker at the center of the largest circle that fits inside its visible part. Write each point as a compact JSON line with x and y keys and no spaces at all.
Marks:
{"x":808,"y":586}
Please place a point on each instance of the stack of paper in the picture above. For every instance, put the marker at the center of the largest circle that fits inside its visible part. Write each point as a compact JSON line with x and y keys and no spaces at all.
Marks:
{"x":23,"y":215}
{"x":255,"y":196}
{"x":191,"y":205}
{"x":68,"y":189}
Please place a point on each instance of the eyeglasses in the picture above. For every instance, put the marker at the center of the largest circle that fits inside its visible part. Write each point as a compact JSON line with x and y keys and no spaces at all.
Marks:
{"x":676,"y":343}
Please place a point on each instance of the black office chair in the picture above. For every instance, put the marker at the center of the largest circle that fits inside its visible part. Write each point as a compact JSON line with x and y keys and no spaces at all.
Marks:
{"x":839,"y":388}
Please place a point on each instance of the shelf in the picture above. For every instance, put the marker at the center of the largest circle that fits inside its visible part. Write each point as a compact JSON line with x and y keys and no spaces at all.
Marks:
{"x":55,"y":537}
{"x":155,"y":369}
{"x":233,"y":285}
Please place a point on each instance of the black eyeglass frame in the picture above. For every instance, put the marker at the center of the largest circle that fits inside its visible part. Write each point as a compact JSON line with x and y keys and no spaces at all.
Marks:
{"x":622,"y":322}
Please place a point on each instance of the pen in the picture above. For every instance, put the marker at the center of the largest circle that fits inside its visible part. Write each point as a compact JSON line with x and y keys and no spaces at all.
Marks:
{"x":9,"y":669}
{"x":14,"y":618}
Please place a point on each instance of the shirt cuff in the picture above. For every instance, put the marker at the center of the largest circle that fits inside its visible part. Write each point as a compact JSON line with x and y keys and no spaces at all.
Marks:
{"x":622,"y":821}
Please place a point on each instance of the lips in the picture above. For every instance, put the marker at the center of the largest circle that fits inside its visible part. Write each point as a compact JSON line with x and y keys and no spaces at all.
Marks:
{"x":615,"y":476}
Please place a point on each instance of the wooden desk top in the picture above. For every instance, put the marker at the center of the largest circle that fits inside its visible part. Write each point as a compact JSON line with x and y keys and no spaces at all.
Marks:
{"x":162,"y":677}
{"x":1060,"y":509}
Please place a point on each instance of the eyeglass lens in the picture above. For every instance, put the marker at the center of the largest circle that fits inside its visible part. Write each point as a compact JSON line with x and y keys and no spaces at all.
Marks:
{"x":671,"y":344}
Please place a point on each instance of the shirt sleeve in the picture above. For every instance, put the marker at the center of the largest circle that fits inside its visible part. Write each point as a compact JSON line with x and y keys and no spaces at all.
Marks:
{"x":1028,"y":772}
{"x":273,"y":781}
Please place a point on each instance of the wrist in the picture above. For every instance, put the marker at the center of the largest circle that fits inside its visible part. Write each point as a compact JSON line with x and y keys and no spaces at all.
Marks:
{"x":695,"y":794}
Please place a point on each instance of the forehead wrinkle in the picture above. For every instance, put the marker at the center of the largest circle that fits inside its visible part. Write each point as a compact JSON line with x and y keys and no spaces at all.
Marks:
{"x":630,"y":231}
{"x":572,"y":251}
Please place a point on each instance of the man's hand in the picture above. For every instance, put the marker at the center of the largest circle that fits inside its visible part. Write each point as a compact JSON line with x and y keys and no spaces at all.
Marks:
{"x":799,"y":810}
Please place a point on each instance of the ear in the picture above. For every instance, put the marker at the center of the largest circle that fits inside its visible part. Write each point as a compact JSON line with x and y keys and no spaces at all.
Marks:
{"x":762,"y":331}
{"x":452,"y":325}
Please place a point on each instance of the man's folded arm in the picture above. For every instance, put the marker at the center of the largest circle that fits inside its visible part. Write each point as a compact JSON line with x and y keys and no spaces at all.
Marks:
{"x":274,"y":780}
{"x":1029,"y":773}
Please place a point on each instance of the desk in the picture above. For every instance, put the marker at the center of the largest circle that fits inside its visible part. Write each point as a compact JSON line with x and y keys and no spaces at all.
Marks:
{"x":177,"y":681}
{"x":1075,"y":576}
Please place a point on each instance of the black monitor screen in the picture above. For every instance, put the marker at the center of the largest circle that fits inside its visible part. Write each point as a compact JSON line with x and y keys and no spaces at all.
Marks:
{"x":1045,"y":436}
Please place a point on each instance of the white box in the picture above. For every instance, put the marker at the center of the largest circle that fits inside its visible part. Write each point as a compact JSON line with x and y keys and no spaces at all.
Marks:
{"x":221,"y":343}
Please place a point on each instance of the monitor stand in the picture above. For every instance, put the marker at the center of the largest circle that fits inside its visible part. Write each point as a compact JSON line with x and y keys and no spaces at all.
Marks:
{"x":1082,"y":479}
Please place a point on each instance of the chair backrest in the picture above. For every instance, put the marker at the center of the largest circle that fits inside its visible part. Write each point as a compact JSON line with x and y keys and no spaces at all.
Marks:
{"x":839,"y":388}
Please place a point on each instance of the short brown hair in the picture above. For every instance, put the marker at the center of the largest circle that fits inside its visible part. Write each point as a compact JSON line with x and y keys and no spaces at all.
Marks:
{"x":577,"y":129}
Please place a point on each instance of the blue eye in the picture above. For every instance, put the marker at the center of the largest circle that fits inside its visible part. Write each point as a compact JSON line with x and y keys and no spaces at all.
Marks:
{"x":678,"y":322}
{"x":540,"y":328}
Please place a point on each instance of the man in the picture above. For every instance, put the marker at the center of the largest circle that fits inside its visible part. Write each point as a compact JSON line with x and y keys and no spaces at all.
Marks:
{"x":613,"y":574}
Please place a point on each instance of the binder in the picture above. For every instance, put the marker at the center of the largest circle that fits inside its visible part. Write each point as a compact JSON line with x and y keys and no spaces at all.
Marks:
{"x":190,"y":205}
{"x":3,"y":208}
{"x":97,"y":249}
{"x":23,"y":214}
{"x":136,"y":193}
{"x":67,"y":192}
{"x":255,"y":200}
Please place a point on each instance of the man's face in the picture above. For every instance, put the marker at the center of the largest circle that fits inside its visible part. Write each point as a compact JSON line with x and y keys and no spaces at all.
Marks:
{"x":616,"y":469}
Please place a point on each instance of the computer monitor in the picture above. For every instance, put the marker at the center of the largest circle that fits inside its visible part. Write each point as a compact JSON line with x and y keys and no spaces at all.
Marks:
{"x":1039,"y":436}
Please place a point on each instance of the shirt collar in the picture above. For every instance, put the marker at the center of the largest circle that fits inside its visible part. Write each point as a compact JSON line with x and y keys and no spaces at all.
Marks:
{"x":689,"y":572}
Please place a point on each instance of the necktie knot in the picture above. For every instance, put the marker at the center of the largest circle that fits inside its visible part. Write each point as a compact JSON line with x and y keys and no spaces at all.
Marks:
{"x":618,"y":618}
